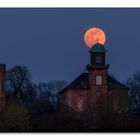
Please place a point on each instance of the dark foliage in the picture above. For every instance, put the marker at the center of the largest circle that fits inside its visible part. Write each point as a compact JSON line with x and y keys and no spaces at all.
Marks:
{"x":14,"y":118}
{"x":134,"y":94}
{"x":38,"y":98}
{"x":35,"y":108}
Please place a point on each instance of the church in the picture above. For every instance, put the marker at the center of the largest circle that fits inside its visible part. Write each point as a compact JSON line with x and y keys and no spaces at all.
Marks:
{"x":96,"y":89}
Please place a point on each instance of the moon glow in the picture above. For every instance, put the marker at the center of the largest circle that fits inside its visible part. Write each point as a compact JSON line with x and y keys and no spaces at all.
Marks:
{"x":94,"y":35}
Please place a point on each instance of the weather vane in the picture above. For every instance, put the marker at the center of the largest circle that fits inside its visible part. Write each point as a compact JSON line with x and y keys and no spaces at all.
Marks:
{"x":97,"y":40}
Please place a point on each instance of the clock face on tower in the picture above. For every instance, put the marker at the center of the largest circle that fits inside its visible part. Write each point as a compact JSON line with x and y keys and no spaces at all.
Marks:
{"x":98,"y":59}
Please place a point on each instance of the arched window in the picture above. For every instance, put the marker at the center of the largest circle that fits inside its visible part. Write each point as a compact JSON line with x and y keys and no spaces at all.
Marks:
{"x":98,"y":80}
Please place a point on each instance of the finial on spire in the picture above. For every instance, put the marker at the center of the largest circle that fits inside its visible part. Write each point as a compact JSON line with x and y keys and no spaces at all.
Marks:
{"x":97,"y":40}
{"x":94,"y":36}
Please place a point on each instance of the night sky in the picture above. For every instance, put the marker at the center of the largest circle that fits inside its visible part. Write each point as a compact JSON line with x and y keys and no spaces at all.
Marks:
{"x":50,"y":41}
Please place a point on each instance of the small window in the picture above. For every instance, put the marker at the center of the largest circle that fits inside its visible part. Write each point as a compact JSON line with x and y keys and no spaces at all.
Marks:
{"x":80,"y":103}
{"x":98,"y":59}
{"x":98,"y":80}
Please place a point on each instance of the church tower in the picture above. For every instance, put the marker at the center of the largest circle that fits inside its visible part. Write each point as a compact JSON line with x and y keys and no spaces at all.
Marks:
{"x":98,"y":77}
{"x":95,"y":90}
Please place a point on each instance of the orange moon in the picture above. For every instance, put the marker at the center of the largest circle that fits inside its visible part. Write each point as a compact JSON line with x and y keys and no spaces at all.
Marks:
{"x":94,"y":35}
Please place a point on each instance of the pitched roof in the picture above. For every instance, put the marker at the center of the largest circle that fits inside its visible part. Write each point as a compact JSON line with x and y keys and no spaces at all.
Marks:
{"x":82,"y":82}
{"x":113,"y":83}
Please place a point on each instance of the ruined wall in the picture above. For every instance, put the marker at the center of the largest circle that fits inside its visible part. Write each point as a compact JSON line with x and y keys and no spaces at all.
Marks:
{"x":2,"y":85}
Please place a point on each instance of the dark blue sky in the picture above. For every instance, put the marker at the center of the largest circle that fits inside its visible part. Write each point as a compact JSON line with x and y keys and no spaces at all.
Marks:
{"x":50,"y":41}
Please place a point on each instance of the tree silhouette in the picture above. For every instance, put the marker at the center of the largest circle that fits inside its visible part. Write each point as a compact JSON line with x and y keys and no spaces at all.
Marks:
{"x":49,"y":91}
{"x":54,"y":87}
{"x":134,"y":95}
{"x":43,"y":90}
{"x":18,"y":83}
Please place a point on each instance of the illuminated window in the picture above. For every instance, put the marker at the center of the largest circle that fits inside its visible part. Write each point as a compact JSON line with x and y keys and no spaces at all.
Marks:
{"x":80,"y":103}
{"x":98,"y":59}
{"x":98,"y":80}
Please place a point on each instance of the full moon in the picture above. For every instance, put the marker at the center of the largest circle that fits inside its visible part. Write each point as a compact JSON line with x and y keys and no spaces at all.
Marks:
{"x":94,"y":35}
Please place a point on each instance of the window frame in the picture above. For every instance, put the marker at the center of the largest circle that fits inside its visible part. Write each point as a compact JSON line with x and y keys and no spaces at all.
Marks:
{"x":99,"y":80}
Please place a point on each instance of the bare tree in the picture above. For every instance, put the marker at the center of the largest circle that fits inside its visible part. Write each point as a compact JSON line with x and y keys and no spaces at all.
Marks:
{"x":54,"y":87}
{"x":18,"y":83}
{"x":43,"y":90}
{"x":134,"y":95}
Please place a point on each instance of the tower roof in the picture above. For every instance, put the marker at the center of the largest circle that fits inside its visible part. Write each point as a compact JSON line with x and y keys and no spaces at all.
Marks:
{"x":97,"y":48}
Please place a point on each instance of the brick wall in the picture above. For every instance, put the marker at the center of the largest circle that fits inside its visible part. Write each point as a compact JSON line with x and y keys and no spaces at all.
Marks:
{"x":2,"y":86}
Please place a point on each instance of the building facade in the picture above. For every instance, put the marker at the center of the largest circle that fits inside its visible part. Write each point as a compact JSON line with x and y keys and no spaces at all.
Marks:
{"x":96,"y":89}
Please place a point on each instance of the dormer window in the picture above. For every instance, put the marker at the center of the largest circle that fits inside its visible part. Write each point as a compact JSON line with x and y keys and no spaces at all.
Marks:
{"x":98,"y":80}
